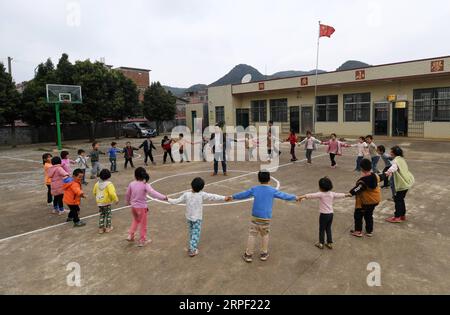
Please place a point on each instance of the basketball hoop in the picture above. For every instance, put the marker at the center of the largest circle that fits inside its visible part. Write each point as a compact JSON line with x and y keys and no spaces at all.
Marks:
{"x":62,"y":94}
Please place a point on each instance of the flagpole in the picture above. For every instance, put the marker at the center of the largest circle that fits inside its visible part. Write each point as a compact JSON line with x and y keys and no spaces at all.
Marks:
{"x":317,"y":77}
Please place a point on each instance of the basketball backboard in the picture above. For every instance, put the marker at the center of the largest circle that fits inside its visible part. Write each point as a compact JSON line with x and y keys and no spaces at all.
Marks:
{"x":57,"y":93}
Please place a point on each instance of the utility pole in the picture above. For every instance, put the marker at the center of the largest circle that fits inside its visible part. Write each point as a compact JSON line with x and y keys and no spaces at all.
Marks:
{"x":13,"y":123}
{"x":9,"y":66}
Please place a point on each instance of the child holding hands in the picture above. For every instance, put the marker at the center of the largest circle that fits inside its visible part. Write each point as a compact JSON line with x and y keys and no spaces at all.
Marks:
{"x":326,"y":198}
{"x":367,"y":196}
{"x":105,"y":194}
{"x":334,"y":148}
{"x":194,"y":211}
{"x":263,"y":195}
{"x":310,"y":144}
{"x":136,"y":197}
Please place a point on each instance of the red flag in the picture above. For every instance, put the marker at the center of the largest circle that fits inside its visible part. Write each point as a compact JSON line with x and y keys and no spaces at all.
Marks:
{"x":326,"y":31}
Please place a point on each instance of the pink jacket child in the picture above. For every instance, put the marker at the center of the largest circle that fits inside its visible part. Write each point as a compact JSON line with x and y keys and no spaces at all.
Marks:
{"x":57,"y":174}
{"x":136,"y":197}
{"x":335,"y":148}
{"x":326,"y":198}
{"x":66,"y":162}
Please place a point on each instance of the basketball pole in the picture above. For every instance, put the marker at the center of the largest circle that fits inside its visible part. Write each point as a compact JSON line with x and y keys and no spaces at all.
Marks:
{"x":58,"y":126}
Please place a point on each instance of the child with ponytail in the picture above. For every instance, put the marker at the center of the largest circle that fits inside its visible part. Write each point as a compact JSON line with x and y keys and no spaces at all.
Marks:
{"x":136,"y":197}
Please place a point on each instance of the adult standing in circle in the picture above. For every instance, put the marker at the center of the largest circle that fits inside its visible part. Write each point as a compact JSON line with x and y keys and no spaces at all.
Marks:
{"x":219,"y":148}
{"x":403,"y":181}
{"x":270,"y":141}
{"x":148,"y":147}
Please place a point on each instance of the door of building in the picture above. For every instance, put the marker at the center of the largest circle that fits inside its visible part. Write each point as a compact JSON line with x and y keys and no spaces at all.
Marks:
{"x":205,"y":116}
{"x":193,"y":117}
{"x":243,"y":118}
{"x":307,"y":119}
{"x":400,"y":119}
{"x":381,"y":119}
{"x":294,"y":118}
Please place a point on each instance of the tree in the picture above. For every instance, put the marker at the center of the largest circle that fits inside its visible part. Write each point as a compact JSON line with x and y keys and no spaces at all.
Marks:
{"x":64,"y":74}
{"x":107,"y":94}
{"x":36,"y":111}
{"x":125,"y":98}
{"x":64,"y":71}
{"x":94,"y":78}
{"x":158,"y":104}
{"x":9,"y":102}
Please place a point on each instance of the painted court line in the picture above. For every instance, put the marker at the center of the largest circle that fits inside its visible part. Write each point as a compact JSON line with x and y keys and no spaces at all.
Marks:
{"x":237,"y":177}
{"x":423,"y":161}
{"x":210,"y":184}
{"x":18,"y":173}
{"x":54,"y":226}
{"x":19,"y":159}
{"x":126,"y":207}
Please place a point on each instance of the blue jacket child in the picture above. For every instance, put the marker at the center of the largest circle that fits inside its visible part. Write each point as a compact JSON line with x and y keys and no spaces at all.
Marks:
{"x":112,"y":153}
{"x":261,"y":213}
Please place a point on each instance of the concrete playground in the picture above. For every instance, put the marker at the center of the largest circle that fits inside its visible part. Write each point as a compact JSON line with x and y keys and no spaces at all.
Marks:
{"x":36,"y":246}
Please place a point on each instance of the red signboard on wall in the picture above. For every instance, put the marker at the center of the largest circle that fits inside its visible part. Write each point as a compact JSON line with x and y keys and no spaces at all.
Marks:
{"x":304,"y":82}
{"x":261,"y":86}
{"x":437,"y":66}
{"x":360,"y":74}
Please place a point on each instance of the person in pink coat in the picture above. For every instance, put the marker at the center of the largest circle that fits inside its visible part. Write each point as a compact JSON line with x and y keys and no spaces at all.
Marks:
{"x":57,"y":174}
{"x":326,"y":199}
{"x":66,"y":162}
{"x":136,"y":197}
{"x":335,"y":148}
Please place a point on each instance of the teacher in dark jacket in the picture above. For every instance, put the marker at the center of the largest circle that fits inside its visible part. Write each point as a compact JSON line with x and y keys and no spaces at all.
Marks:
{"x":219,"y":147}
{"x":148,"y":147}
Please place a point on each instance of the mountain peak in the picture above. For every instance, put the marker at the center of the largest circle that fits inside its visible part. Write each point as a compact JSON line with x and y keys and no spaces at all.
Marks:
{"x":352,"y":64}
{"x":197,"y":87}
{"x":237,"y":73}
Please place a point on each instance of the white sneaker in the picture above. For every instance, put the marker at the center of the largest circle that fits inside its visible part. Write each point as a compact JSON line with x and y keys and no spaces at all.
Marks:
{"x":142,"y":244}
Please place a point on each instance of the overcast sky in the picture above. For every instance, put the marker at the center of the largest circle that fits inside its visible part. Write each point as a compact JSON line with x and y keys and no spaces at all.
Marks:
{"x":185,"y":42}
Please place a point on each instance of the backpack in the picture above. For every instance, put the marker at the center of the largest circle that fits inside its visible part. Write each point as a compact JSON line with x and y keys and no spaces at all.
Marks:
{"x":100,"y":195}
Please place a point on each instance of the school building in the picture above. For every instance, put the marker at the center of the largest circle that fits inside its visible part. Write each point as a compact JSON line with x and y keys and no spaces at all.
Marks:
{"x":407,"y":99}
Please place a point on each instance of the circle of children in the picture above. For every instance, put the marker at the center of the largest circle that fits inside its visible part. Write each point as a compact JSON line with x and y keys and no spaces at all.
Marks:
{"x":63,"y":188}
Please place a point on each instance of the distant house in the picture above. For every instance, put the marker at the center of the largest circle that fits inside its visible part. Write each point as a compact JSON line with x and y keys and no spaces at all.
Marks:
{"x":197,"y":107}
{"x":180,"y":116}
{"x":141,"y":77}
{"x":20,"y":87}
